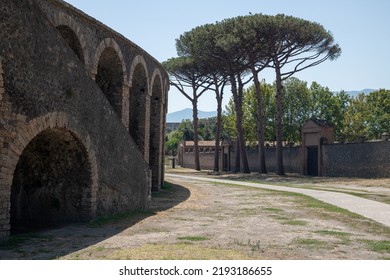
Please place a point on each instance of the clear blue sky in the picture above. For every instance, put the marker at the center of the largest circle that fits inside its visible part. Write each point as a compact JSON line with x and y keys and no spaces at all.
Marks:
{"x":360,"y":27}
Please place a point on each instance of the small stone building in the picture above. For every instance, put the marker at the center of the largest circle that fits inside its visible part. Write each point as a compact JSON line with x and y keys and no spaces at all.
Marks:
{"x":185,"y":154}
{"x":315,"y":133}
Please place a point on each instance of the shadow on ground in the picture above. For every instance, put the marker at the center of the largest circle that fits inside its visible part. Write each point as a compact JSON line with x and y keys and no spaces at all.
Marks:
{"x":56,"y":242}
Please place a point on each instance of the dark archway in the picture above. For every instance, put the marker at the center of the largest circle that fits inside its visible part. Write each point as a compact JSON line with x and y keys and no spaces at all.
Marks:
{"x":155,"y":144}
{"x":72,"y":40}
{"x":137,"y":106}
{"x":51,"y":183}
{"x":109,"y":78}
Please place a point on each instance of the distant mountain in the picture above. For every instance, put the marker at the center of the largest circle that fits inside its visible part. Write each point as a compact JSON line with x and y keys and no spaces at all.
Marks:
{"x":187,"y":114}
{"x":357,"y":92}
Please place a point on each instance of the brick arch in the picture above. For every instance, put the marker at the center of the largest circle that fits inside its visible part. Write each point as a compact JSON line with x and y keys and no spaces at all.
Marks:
{"x":104,"y":44}
{"x":109,"y":72}
{"x":166,"y":89}
{"x":139,"y":104}
{"x":157,"y":75}
{"x":156,"y":134}
{"x":65,"y":20}
{"x":26,"y":133}
{"x":138,"y":60}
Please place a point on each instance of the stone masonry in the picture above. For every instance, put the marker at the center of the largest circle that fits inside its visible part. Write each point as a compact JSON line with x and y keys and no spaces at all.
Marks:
{"x":82,"y":117}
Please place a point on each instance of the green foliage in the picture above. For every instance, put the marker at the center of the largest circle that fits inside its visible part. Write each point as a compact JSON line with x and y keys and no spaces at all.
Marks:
{"x":185,"y":131}
{"x":330,"y":107}
{"x":300,"y":103}
{"x":367,"y":115}
{"x":355,"y":124}
{"x":298,"y":107}
{"x":172,"y":142}
{"x":352,"y":117}
{"x":250,"y":111}
{"x":193,"y":238}
{"x":378,"y":113}
{"x":382,"y":246}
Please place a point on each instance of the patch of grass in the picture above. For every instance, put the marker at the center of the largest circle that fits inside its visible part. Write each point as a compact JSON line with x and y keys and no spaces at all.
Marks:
{"x":99,"y":249}
{"x":167,"y":186}
{"x":115,"y":218}
{"x":274,"y":210}
{"x":295,"y":223}
{"x":15,"y":241}
{"x":311,"y":242}
{"x":248,"y":211}
{"x":333,"y":233}
{"x":254,"y":246}
{"x":183,"y":219}
{"x":381,"y":246}
{"x":314,"y":203}
{"x":281,"y":218}
{"x":181,"y":251}
{"x":10,"y":244}
{"x":342,"y":236}
{"x":193,"y":238}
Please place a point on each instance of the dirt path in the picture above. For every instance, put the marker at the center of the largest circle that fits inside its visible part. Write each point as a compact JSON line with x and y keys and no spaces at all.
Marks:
{"x":374,"y":210}
{"x":201,"y":220}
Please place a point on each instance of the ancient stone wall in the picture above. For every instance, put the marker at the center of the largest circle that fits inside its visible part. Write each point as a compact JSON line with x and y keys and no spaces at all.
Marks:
{"x":65,"y":144}
{"x":365,"y":160}
{"x":361,"y":160}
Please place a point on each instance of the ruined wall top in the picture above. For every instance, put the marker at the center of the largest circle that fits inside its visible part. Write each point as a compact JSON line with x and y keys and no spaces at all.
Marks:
{"x":80,"y":14}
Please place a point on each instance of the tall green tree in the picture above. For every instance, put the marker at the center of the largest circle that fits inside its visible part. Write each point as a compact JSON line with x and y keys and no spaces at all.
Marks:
{"x":295,"y":45}
{"x":378,"y":113}
{"x":220,"y":82}
{"x":355,"y":119}
{"x":250,"y":111}
{"x":329,"y":106}
{"x":297,"y":108}
{"x":208,"y":44}
{"x":248,"y":34}
{"x":187,"y":75}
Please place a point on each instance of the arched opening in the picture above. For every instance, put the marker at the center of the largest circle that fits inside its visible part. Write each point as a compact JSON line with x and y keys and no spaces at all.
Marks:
{"x":51,"y":183}
{"x":72,"y":40}
{"x":109,"y":78}
{"x":137,"y":106}
{"x":156,"y":136}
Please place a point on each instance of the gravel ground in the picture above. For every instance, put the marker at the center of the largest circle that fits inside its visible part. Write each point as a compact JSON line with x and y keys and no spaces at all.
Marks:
{"x":200,"y":220}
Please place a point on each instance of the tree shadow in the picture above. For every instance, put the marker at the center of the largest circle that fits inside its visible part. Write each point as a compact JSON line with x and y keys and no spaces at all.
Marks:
{"x":55,"y":242}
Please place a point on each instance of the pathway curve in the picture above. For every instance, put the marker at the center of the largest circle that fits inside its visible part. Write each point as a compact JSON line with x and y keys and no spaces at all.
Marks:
{"x":376,"y":211}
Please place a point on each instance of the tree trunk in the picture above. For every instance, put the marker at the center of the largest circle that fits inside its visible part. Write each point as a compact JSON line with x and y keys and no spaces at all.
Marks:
{"x":237,"y":166}
{"x":237,"y":160}
{"x":260,"y":124}
{"x":218,"y":130}
{"x":196,"y":133}
{"x":240,"y":115}
{"x":279,"y":116}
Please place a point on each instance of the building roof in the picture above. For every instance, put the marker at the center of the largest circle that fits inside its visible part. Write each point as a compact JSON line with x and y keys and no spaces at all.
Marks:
{"x":320,"y":122}
{"x":202,"y":143}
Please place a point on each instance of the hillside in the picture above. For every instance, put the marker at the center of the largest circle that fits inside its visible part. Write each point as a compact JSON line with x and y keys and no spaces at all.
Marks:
{"x":187,"y":114}
{"x":356,"y":92}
